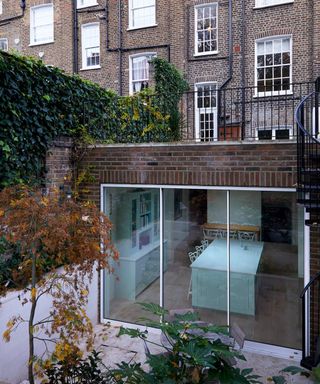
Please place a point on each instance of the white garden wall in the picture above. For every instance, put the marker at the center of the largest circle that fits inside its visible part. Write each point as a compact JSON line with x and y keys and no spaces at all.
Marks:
{"x":14,"y":355}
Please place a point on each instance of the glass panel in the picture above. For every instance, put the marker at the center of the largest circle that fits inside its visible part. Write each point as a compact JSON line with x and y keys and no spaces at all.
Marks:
{"x":286,"y":44}
{"x":260,"y":48}
{"x":134,"y":213}
{"x":195,"y":263}
{"x":266,"y":266}
{"x":260,"y":61}
{"x":277,"y":46}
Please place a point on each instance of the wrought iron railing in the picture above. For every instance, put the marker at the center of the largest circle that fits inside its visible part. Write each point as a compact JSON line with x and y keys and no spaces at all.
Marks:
{"x":310,"y":298}
{"x":211,"y":114}
{"x":308,"y":155}
{"x":308,"y":187}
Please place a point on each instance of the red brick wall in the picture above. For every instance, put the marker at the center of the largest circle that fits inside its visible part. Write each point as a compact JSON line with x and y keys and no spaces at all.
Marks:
{"x":244,"y":165}
{"x":58,"y":165}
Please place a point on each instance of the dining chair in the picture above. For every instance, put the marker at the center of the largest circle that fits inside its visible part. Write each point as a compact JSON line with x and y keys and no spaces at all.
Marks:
{"x":200,"y":248}
{"x":246,"y":235}
{"x":205,"y":243}
{"x":233,"y":235}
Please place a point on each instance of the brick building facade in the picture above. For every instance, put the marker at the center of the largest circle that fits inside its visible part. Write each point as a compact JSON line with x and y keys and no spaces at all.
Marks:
{"x":248,"y":64}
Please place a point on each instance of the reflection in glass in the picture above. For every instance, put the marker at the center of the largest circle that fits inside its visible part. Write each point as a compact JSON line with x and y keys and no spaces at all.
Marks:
{"x":266,"y":268}
{"x":134,"y":213}
{"x":196,"y":274}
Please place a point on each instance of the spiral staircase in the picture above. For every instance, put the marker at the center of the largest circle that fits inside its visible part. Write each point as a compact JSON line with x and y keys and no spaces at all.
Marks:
{"x":308,"y":188}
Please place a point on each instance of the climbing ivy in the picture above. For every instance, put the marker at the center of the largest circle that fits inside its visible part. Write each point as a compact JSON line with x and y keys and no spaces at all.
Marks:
{"x":169,"y":88}
{"x":39,"y":103}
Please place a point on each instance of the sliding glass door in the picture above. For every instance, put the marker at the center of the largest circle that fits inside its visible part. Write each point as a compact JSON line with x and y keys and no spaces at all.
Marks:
{"x":135,"y":215}
{"x":233,"y":256}
{"x":194,"y":277}
{"x":266,"y":266}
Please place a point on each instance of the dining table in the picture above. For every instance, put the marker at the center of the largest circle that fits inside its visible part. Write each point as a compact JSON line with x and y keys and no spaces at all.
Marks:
{"x":209,"y":276}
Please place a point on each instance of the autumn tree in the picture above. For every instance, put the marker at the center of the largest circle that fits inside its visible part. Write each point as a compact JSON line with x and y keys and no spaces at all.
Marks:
{"x":51,"y":231}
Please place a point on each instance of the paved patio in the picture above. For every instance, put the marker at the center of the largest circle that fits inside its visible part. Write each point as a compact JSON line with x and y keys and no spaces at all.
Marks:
{"x":116,"y":349}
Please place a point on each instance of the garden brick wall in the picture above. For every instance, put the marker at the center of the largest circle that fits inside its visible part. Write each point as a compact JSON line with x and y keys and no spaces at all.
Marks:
{"x":58,"y":166}
{"x":243,"y":165}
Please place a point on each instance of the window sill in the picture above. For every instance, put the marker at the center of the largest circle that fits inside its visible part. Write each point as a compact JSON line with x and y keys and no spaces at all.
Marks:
{"x":41,"y":43}
{"x":272,"y":94}
{"x":87,"y":6}
{"x":274,"y":5}
{"x":144,"y":27}
{"x":89,"y":68}
{"x":213,"y":53}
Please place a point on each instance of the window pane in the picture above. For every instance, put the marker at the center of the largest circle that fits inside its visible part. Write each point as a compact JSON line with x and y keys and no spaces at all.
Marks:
{"x":260,"y":61}
{"x":277,"y":59}
{"x":142,"y":3}
{"x":273,"y":64}
{"x":267,"y":266}
{"x":260,"y":48}
{"x":134,"y":213}
{"x":286,"y":70}
{"x":195,"y":275}
{"x":286,"y":45}
{"x":41,"y":26}
{"x":277,"y":46}
{"x":286,"y":58}
{"x":206,"y":24}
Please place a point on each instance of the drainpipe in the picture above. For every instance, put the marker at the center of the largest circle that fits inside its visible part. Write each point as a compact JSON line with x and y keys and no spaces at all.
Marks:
{"x":243,"y":82}
{"x":8,"y":20}
{"x":75,"y":40}
{"x":230,"y":60}
{"x":120,"y":47}
{"x":230,"y":46}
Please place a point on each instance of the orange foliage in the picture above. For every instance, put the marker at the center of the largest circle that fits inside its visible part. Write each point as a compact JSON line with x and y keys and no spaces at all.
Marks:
{"x":57,"y":231}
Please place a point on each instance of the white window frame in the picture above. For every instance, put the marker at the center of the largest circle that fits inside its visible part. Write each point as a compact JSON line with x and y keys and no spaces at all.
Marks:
{"x":274,"y":130}
{"x":32,"y":36}
{"x":131,"y":58}
{"x":273,"y":92}
{"x":271,"y":3}
{"x":196,"y":10}
{"x":87,"y":3}
{"x":83,"y":48}
{"x":203,"y":110}
{"x":153,"y":22}
{"x":6,"y":41}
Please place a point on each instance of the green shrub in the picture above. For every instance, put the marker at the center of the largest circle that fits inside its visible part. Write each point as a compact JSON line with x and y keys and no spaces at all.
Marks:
{"x":39,"y":103}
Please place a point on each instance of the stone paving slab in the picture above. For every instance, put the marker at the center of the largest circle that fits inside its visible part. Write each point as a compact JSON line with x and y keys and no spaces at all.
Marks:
{"x":116,"y":349}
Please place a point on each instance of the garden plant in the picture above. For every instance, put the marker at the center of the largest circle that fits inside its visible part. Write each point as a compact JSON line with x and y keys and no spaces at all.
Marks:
{"x":42,"y":231}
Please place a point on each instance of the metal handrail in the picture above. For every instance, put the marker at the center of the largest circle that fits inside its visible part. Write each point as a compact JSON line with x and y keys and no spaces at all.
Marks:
{"x":311,"y":282}
{"x":297,"y":117}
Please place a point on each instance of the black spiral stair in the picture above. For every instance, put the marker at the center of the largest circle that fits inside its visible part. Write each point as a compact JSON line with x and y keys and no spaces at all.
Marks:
{"x":308,"y":188}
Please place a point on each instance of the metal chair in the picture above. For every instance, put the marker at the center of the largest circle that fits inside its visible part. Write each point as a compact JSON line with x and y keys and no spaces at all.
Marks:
{"x":200,"y":248}
{"x":211,"y":234}
{"x":246,"y":235}
{"x":205,"y":243}
{"x":233,"y":235}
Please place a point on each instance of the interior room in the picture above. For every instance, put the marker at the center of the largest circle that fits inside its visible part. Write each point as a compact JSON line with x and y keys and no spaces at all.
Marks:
{"x":265,"y":263}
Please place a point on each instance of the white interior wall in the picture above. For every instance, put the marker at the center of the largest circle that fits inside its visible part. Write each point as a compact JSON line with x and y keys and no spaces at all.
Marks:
{"x":245,"y":207}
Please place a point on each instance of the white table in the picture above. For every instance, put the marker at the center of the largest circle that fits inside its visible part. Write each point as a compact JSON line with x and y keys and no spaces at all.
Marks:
{"x":209,"y":276}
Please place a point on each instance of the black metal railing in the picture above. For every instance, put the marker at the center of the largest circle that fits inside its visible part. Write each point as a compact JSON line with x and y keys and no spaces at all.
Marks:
{"x":308,"y":156}
{"x":310,"y":299}
{"x":308,"y":188}
{"x":211,"y":114}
